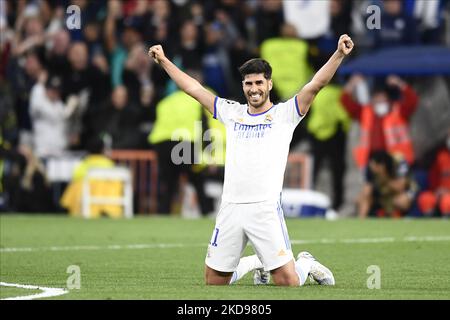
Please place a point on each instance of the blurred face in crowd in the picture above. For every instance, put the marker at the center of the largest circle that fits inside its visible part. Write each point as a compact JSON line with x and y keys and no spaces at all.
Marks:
{"x":271,"y":6}
{"x":137,"y":58}
{"x":80,"y":3}
{"x":33,"y":26}
{"x":378,"y":169}
{"x":380,"y":103}
{"x":119,"y":97}
{"x":161,"y":9}
{"x":288,"y":31}
{"x":335,"y":7}
{"x":61,"y":42}
{"x":213,"y":33}
{"x":53,"y":94}
{"x":33,"y":66}
{"x":189,"y":32}
{"x":78,"y":56}
{"x":91,"y":32}
{"x":256,"y":89}
{"x":130,"y":37}
{"x":161,"y":32}
{"x":392,"y":7}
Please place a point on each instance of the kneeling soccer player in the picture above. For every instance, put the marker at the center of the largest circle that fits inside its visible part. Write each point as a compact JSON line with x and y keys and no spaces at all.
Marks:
{"x":258,"y":138}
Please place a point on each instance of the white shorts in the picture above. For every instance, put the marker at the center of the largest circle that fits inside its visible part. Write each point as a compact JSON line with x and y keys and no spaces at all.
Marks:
{"x":261,"y":223}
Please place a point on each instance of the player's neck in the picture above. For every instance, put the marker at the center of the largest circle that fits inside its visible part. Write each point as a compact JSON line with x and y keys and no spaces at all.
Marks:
{"x":266,"y":106}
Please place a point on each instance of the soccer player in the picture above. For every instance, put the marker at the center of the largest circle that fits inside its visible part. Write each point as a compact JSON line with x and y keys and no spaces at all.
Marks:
{"x":258,"y":138}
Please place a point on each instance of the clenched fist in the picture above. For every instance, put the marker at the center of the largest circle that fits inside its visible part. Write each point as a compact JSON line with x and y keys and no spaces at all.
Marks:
{"x":345,"y":44}
{"x":157,"y":53}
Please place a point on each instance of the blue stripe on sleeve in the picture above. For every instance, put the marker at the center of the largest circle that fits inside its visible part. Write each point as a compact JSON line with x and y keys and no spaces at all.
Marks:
{"x":215,"y":107}
{"x":297,"y":108}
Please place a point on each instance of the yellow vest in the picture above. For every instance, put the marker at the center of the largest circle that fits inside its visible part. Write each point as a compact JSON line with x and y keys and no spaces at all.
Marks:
{"x":327,"y":113}
{"x":176,"y":115}
{"x":289,"y":60}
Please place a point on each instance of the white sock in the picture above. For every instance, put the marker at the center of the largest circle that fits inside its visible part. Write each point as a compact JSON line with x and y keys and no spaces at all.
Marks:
{"x":246,"y":264}
{"x":303,"y":267}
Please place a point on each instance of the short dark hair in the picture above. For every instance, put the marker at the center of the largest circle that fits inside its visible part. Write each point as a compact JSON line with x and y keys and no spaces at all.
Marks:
{"x":384,"y":158}
{"x":256,"y":66}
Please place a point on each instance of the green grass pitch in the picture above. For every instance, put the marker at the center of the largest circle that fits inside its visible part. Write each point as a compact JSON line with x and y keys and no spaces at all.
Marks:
{"x":163,"y":258}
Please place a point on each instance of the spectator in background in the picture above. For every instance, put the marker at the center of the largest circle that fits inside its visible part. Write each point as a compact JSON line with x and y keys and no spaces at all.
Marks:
{"x":383,"y":121}
{"x":269,"y":17}
{"x":397,"y":28}
{"x":191,"y":47}
{"x":120,"y":119}
{"x":137,"y":76}
{"x":177,"y":116}
{"x":92,"y":36}
{"x":89,"y":83}
{"x":23,"y":78}
{"x":216,"y":60}
{"x":288,"y":56}
{"x":56,"y":57}
{"x":50,"y":117}
{"x":389,"y":191}
{"x":328,"y":126}
{"x":436,"y":199}
{"x":118,"y":48}
{"x":29,"y":30}
{"x":341,"y":22}
{"x":429,"y":18}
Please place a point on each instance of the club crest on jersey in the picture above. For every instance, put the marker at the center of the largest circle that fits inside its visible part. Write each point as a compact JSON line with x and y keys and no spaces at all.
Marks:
{"x":268,"y":118}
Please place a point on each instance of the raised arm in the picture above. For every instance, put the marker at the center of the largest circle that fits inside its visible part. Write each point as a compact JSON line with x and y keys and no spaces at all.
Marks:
{"x":307,"y":94}
{"x":186,"y":83}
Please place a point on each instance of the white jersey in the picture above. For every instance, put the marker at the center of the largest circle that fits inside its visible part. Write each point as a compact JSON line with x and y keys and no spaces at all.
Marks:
{"x":257,"y":149}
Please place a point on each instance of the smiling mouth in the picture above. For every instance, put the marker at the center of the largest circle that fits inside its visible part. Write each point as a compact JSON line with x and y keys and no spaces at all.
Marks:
{"x":255,"y":95}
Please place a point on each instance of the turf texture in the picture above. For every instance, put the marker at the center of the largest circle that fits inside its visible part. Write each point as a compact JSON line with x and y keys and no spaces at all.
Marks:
{"x":163,"y":258}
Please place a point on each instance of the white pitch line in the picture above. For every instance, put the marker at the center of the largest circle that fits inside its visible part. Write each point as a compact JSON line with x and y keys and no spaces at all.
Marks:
{"x":46,"y":292}
{"x":184,"y":245}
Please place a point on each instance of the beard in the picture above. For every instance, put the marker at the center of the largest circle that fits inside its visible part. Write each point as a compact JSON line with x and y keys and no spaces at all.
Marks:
{"x":261,"y":101}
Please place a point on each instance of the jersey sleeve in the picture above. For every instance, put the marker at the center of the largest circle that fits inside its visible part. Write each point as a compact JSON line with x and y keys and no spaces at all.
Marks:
{"x":292,"y":112}
{"x":225,"y":110}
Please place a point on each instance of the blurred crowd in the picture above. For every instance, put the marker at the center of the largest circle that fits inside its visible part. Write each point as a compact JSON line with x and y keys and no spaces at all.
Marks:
{"x":63,"y":88}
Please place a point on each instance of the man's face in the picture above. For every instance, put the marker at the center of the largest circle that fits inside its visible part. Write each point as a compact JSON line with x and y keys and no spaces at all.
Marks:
{"x":378,"y":169}
{"x":256,"y":89}
{"x":381,"y":104}
{"x":78,"y":56}
{"x":53,"y":94}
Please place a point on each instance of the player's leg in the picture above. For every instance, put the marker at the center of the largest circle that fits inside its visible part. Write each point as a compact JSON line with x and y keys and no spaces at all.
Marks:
{"x":305,"y":265}
{"x":249,"y":264}
{"x":227,"y":243}
{"x":269,"y":237}
{"x":214,"y":277}
{"x":266,"y":230}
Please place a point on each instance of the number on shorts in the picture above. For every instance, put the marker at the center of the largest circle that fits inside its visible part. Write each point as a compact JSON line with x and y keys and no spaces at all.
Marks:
{"x":214,"y":237}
